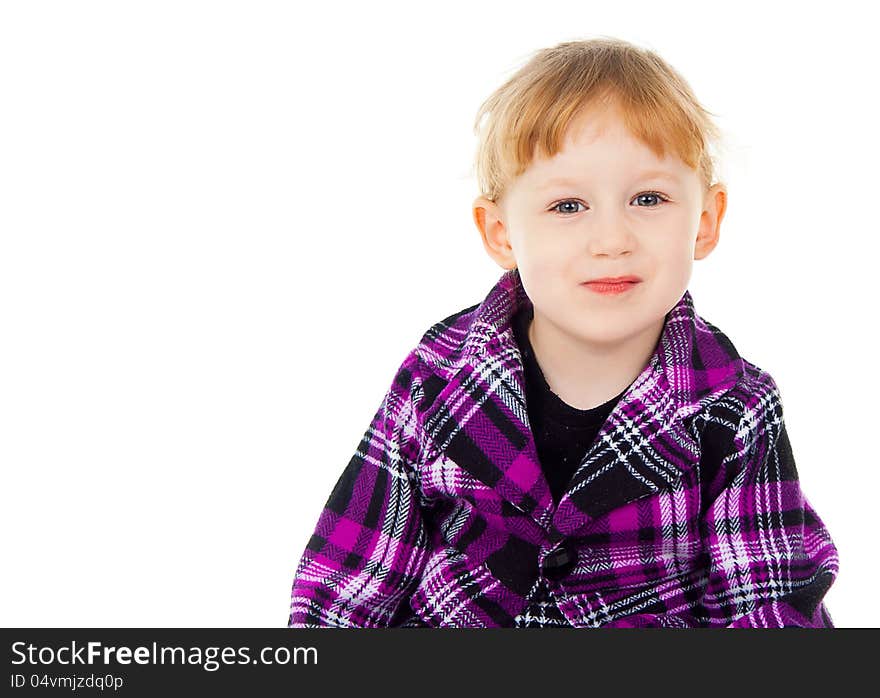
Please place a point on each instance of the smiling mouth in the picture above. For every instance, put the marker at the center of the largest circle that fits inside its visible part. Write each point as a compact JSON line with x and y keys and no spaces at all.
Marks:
{"x":614,"y":279}
{"x":610,"y":288}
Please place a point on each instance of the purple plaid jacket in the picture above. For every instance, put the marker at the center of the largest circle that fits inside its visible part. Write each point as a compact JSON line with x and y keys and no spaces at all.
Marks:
{"x":686,"y":511}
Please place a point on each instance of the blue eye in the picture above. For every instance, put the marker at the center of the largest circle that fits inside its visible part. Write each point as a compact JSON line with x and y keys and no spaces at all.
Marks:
{"x":654,"y":194}
{"x":567,"y":201}
{"x":650,"y":195}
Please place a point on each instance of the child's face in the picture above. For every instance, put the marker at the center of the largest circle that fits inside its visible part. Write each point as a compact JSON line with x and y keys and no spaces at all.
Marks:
{"x":606,"y":221}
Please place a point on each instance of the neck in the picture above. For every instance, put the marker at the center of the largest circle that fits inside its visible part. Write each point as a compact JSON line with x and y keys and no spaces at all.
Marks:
{"x":585,"y":375}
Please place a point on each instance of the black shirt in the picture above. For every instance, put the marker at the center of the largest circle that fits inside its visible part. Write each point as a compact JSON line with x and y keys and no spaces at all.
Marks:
{"x":562,"y":433}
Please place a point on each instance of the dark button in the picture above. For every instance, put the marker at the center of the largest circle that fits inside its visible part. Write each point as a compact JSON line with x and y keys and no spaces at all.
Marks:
{"x":559,"y":562}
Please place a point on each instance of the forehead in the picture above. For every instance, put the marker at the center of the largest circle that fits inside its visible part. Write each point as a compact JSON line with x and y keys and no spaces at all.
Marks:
{"x":598,"y":141}
{"x":604,"y":130}
{"x":663,"y":174}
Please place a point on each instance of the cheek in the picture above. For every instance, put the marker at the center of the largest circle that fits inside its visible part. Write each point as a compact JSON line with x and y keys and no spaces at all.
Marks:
{"x":553,"y":250}
{"x":670,"y":252}
{"x":672,"y":268}
{"x":539,"y":253}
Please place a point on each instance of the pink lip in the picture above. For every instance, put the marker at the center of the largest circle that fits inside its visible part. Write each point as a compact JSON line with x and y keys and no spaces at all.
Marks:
{"x":613,"y":279}
{"x":606,"y":288}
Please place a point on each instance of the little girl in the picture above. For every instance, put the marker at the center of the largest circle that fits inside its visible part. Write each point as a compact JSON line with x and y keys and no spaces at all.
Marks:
{"x":581,"y":448}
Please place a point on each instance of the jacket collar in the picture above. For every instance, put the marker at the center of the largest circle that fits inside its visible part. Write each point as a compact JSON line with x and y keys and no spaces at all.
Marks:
{"x":478,"y":416}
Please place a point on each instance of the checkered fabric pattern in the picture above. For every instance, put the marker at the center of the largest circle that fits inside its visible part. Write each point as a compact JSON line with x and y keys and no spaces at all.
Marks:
{"x":542,"y":611}
{"x":686,"y":511}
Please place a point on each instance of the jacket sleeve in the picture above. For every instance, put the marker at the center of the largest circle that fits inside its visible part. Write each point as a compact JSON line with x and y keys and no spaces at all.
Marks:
{"x":771,"y":558}
{"x":369,"y":546}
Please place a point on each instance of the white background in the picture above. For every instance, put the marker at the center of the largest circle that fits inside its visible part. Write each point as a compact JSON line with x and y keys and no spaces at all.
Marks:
{"x":223,"y":225}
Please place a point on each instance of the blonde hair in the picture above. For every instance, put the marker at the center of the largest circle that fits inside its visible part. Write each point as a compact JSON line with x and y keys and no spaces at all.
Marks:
{"x":535,"y":106}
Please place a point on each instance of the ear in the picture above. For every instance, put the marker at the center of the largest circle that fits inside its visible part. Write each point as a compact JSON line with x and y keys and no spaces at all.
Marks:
{"x":714,"y":206}
{"x":489,"y":218}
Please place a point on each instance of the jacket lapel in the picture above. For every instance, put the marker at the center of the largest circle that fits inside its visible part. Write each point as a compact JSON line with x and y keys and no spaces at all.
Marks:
{"x":475,"y":411}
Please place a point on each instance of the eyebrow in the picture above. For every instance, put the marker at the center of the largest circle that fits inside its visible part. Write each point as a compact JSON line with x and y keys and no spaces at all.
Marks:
{"x":649,"y":174}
